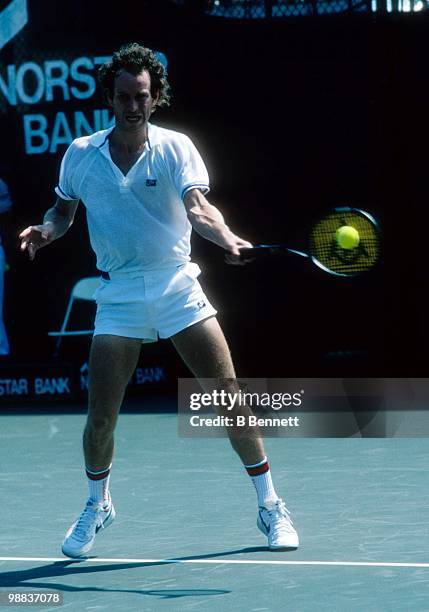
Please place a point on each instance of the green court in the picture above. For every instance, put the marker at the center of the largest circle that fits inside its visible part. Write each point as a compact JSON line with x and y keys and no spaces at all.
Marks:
{"x":185,"y":536}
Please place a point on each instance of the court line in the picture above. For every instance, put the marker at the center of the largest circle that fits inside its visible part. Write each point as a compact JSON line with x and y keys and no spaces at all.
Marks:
{"x":223,"y":561}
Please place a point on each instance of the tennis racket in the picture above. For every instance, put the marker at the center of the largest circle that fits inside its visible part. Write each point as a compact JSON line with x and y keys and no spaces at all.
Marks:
{"x":324,"y":248}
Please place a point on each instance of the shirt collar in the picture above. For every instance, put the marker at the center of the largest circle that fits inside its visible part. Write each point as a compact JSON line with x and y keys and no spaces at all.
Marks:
{"x":99,"y":138}
{"x":153,"y":135}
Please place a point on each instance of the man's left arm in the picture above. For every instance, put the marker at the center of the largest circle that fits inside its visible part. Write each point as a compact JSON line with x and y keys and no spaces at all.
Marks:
{"x":208,"y":221}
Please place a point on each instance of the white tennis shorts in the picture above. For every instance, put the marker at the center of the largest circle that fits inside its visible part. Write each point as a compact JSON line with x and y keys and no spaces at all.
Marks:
{"x":151,"y":305}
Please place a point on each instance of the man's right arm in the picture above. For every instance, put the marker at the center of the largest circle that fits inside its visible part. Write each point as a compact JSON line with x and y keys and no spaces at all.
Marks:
{"x":56,"y":222}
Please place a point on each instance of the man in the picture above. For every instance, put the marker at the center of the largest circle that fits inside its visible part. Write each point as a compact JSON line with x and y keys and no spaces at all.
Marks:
{"x":143,"y":188}
{"x":5,"y":206}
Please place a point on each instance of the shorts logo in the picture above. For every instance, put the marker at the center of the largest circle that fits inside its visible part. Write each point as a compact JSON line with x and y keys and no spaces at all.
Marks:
{"x":150,"y":182}
{"x":201,"y":304}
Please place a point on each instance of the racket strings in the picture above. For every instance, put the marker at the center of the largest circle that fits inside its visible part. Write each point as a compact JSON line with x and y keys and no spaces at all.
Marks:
{"x":326,"y":250}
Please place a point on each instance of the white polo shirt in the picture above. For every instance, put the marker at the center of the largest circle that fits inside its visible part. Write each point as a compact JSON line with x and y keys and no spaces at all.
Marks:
{"x":138,"y":221}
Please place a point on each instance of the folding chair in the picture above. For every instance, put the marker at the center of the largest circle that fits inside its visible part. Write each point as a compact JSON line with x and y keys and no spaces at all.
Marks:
{"x":82,"y":290}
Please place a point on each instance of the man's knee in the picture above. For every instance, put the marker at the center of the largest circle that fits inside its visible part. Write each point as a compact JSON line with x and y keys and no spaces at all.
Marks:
{"x":99,"y":428}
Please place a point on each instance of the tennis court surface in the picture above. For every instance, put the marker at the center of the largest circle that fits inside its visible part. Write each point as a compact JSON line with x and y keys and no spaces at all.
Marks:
{"x":185,"y":537}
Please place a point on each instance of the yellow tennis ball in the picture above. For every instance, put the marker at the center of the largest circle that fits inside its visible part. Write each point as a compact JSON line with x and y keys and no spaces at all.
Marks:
{"x":347,"y":237}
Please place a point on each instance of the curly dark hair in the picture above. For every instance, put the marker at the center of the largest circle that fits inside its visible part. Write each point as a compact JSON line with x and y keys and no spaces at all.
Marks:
{"x":134,"y":58}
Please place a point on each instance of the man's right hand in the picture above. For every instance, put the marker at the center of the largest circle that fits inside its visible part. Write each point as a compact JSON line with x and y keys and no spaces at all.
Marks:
{"x":35,"y":237}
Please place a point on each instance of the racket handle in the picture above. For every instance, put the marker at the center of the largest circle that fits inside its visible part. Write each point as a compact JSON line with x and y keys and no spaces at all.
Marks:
{"x":269,"y":249}
{"x":245,"y":252}
{"x":261,"y":249}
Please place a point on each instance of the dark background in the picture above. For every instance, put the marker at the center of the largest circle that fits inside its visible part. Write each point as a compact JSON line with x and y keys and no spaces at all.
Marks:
{"x":292,"y":117}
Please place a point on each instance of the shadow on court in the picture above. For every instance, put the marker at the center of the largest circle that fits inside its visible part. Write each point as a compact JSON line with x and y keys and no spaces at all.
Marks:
{"x":20,"y":578}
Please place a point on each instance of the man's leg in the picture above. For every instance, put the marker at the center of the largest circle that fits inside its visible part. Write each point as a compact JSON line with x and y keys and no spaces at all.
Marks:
{"x":205,"y":351}
{"x":112,"y":361}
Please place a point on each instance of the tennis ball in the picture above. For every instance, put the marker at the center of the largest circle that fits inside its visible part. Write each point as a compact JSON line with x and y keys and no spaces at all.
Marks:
{"x":347,"y":237}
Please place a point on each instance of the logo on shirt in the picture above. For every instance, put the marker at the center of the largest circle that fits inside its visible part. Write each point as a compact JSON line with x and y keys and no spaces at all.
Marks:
{"x":201,"y":304}
{"x":150,"y":182}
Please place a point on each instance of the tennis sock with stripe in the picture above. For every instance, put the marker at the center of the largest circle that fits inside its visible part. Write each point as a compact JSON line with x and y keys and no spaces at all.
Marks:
{"x":98,"y":485}
{"x":260,"y":474}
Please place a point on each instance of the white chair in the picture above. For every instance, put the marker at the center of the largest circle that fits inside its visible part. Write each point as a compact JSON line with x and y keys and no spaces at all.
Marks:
{"x":82,"y":290}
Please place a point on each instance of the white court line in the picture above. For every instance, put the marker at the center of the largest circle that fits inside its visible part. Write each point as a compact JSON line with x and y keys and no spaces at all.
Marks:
{"x":222,"y":561}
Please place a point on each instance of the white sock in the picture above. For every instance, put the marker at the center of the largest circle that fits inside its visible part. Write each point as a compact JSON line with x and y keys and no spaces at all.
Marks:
{"x":98,"y":485}
{"x":260,"y":474}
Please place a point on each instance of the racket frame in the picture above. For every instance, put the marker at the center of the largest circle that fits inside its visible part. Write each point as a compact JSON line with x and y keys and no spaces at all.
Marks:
{"x":272,"y":249}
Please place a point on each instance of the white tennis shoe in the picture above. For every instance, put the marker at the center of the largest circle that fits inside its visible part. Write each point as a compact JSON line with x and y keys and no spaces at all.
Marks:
{"x":274,"y":521}
{"x":81,"y":536}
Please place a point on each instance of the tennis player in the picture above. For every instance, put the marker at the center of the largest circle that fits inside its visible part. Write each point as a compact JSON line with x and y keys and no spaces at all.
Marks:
{"x":144,"y":189}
